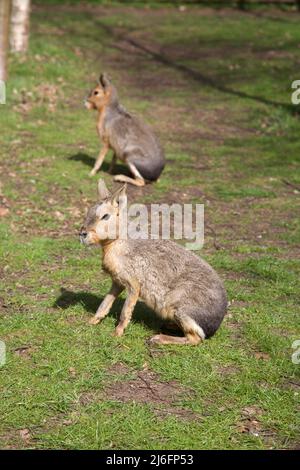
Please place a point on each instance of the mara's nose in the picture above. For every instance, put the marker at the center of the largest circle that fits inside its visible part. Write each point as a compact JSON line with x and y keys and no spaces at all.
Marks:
{"x":83,"y":233}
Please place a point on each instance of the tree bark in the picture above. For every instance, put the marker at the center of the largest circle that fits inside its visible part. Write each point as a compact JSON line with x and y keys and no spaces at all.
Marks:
{"x":5,"y":9}
{"x":19,"y":32}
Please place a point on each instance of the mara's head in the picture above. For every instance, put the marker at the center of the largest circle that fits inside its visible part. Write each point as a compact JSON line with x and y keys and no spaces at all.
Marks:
{"x":104,"y":93}
{"x":102,"y":221}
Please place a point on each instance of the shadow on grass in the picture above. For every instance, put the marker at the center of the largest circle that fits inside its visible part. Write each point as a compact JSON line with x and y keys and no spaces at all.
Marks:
{"x":91,"y":302}
{"x":90,"y":161}
{"x":204,"y":79}
{"x":114,"y":36}
{"x":84,"y":158}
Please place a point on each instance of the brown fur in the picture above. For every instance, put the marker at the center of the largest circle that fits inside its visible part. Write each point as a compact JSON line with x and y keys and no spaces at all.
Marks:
{"x":178,"y":285}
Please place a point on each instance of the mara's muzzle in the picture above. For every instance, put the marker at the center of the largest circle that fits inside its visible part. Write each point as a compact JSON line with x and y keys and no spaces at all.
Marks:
{"x":82,"y":236}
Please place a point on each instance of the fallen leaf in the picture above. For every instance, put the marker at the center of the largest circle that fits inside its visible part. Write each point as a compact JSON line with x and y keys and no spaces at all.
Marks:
{"x":252,"y":411}
{"x":67,"y":422}
{"x":78,"y":52}
{"x":261,"y":355}
{"x":25,"y":434}
{"x":74,"y":211}
{"x":59,"y":215}
{"x":2,"y":303}
{"x":250,"y":426}
{"x":242,"y":428}
{"x":25,"y":352}
{"x":3,"y":211}
{"x":250,"y":423}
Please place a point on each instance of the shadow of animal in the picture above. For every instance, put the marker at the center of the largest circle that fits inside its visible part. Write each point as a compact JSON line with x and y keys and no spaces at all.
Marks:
{"x":90,"y":302}
{"x":90,"y":161}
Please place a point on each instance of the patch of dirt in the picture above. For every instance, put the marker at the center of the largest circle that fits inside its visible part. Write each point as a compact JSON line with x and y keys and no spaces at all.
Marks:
{"x":3,"y":303}
{"x":25,"y":434}
{"x":262,"y":226}
{"x":251,"y":424}
{"x":262,"y":356}
{"x":45,"y":93}
{"x":17,"y":439}
{"x":24,"y":351}
{"x":147,"y":387}
{"x":234,"y":276}
{"x":240,"y":223}
{"x":272,"y":54}
{"x":118,"y":369}
{"x":240,"y":304}
{"x":9,"y":440}
{"x":236,"y":328}
{"x":295,"y":446}
{"x":87,"y":397}
{"x":228,"y":370}
{"x":292,"y":384}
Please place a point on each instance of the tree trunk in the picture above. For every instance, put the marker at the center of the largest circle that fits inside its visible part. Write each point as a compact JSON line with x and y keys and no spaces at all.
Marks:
{"x":19,"y":33}
{"x":5,"y":8}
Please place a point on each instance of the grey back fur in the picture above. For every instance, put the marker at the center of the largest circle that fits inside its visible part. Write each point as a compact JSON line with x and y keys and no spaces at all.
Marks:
{"x":133,"y":141}
{"x":173,"y":281}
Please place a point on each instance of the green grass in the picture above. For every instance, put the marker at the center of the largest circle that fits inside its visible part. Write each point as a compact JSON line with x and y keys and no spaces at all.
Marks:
{"x":219,"y":98}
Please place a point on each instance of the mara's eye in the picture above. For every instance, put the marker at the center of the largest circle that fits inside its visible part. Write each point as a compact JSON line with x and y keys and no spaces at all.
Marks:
{"x":96,"y":92}
{"x":105,"y":217}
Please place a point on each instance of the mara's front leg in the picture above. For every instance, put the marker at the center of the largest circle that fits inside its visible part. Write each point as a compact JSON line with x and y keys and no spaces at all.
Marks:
{"x":106,"y":304}
{"x":127,"y":310}
{"x":112,"y":164}
{"x":101,"y":156}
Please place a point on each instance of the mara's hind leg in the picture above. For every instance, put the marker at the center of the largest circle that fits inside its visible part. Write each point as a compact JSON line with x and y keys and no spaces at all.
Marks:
{"x":193,"y":333}
{"x":167,"y":339}
{"x":138,"y":180}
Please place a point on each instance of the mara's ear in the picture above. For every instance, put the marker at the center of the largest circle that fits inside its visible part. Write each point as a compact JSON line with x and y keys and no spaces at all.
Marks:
{"x":104,"y":81}
{"x":120,"y":197}
{"x":103,"y":192}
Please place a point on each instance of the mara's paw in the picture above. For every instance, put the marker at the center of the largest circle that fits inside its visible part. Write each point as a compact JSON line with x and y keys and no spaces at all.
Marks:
{"x":119,"y":178}
{"x":92,"y":172}
{"x":94,"y":321}
{"x":155,"y":340}
{"x":118,"y":332}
